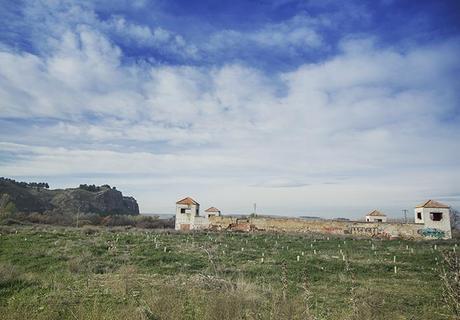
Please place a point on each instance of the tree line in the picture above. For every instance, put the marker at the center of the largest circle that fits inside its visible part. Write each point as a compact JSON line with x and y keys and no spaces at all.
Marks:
{"x":23,"y":184}
{"x":94,"y":188}
{"x":45,"y":185}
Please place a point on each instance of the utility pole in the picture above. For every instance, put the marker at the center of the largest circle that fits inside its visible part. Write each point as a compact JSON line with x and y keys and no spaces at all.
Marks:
{"x":405,"y":215}
{"x":255,"y":209}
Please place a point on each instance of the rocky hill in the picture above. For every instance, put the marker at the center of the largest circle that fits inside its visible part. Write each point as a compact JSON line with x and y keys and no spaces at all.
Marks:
{"x":36,"y":197}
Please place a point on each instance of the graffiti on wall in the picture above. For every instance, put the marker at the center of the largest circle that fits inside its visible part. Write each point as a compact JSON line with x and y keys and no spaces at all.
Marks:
{"x":376,"y":232}
{"x":361,"y":229}
{"x":332,"y":230}
{"x":432,"y":233}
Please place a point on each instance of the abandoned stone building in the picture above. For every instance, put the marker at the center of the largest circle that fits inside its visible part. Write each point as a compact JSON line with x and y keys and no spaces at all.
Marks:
{"x":436,"y":218}
{"x":188,"y":215}
{"x":433,"y":220}
{"x":213,"y":211}
{"x":376,"y":216}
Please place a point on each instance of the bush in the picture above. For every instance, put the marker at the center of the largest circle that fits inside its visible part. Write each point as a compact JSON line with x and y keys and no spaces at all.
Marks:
{"x":118,"y":220}
{"x":154,"y":223}
{"x":9,"y":210}
{"x":56,"y":218}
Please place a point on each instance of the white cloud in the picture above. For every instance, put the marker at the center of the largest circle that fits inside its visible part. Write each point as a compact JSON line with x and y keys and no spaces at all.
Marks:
{"x":299,"y":34}
{"x":47,"y":21}
{"x":144,"y":36}
{"x":58,"y":161}
{"x":373,"y":115}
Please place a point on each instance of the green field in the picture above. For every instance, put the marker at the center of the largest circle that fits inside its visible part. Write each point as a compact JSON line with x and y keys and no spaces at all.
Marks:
{"x":97,"y":273}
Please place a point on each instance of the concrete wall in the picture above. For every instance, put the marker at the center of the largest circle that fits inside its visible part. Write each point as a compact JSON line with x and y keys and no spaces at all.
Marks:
{"x":190,"y":220}
{"x":200,"y":223}
{"x":375,"y":218}
{"x":418,"y":213}
{"x":386,"y":230}
{"x":442,"y":229}
{"x":187,"y":218}
{"x":211,"y":214}
{"x":367,"y":229}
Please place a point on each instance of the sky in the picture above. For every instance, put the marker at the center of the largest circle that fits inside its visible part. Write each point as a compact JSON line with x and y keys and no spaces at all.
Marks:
{"x":306,"y":107}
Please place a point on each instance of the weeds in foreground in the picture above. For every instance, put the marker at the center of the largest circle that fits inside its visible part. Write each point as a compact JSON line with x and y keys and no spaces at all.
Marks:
{"x":450,"y":277}
{"x":99,"y":273}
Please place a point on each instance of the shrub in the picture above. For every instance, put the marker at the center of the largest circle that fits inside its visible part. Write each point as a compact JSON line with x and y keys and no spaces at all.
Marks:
{"x":65,"y":219}
{"x":450,"y":277}
{"x":9,"y":210}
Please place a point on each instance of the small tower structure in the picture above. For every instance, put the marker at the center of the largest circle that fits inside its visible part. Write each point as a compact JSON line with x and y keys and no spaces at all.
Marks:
{"x":187,"y":210}
{"x":213,"y":211}
{"x":376,"y":216}
{"x":436,"y":218}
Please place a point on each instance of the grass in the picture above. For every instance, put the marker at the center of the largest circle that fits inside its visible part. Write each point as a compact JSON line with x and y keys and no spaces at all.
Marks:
{"x":98,"y":273}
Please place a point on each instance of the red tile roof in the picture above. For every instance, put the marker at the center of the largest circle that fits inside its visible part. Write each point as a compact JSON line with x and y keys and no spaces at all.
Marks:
{"x":212,"y":209}
{"x":376,"y":213}
{"x":187,"y":201}
{"x":432,"y":204}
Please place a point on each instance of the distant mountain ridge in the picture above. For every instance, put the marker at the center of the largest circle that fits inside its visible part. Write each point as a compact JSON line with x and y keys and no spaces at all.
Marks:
{"x":36,"y":197}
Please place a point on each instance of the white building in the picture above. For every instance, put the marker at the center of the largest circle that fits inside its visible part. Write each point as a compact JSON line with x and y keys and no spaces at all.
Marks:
{"x":186,"y":211}
{"x":213,"y":211}
{"x":436,"y":218}
{"x":188,"y":215}
{"x":376,"y":216}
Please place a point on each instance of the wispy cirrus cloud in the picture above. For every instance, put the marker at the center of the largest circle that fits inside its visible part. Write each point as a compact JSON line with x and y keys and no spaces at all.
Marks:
{"x":42,"y":24}
{"x":294,"y":36}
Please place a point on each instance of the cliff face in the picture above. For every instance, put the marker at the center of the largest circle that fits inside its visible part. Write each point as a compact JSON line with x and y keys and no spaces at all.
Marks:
{"x":103,"y":201}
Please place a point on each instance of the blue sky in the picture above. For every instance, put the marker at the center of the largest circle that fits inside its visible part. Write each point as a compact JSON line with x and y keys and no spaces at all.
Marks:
{"x":329,"y":108}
